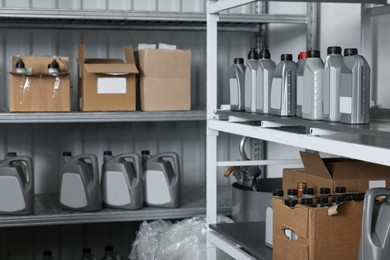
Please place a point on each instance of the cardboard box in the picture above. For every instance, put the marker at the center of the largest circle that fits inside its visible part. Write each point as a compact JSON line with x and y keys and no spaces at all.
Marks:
{"x":320,"y":236}
{"x":165,"y":79}
{"x":39,"y":91}
{"x":107,"y":84}
{"x":356,"y":176}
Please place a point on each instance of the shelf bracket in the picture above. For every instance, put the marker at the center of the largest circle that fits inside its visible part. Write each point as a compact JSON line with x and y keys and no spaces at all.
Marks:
{"x":319,"y":131}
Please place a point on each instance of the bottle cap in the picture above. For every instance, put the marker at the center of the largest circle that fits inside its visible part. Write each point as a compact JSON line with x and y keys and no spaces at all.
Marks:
{"x":47,"y":253}
{"x":291,"y":202}
{"x":338,"y":199}
{"x":302,"y":55}
{"x":86,"y":250}
{"x":341,"y":190}
{"x":333,"y":50}
{"x":265,"y":54}
{"x":238,"y":61}
{"x":20,"y":64}
{"x":286,"y":57}
{"x":313,"y":54}
{"x":145,"y":152}
{"x":53,"y":65}
{"x":307,"y":201}
{"x":107,"y":153}
{"x":66,"y":154}
{"x":292,"y":192}
{"x":277,"y":193}
{"x":324,"y":190}
{"x":350,"y":52}
{"x":109,"y":248}
{"x":253,"y":55}
{"x":11,"y":154}
{"x":309,"y":191}
{"x":324,"y":200}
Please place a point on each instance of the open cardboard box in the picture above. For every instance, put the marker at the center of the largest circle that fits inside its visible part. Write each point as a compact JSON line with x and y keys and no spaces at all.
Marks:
{"x":356,"y":176}
{"x":320,"y":235}
{"x":107,"y":84}
{"x":165,"y":79}
{"x":39,"y":91}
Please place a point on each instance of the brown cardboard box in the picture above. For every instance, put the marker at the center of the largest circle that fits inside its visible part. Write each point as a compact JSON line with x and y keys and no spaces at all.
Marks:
{"x":320,"y":236}
{"x":107,"y":84}
{"x":39,"y":91}
{"x":165,"y":79}
{"x":356,"y":176}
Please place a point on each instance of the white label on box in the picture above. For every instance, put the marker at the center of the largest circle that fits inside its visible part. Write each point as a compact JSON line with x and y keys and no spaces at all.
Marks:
{"x":346,"y":105}
{"x":377,"y":184}
{"x":111,"y":85}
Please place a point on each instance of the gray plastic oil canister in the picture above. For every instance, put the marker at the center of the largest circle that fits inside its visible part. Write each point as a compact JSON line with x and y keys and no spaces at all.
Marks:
{"x":355,"y":89}
{"x":375,"y":237}
{"x":265,"y":74}
{"x":250,"y":81}
{"x":300,"y":66}
{"x":122,"y":181}
{"x":332,"y":81}
{"x":313,"y":87}
{"x":80,"y":183}
{"x":161,"y":179}
{"x":17,"y":186}
{"x":283,"y":91}
{"x":87,"y":254}
{"x":237,"y":85}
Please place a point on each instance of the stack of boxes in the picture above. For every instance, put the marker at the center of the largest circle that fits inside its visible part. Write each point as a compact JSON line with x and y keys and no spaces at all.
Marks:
{"x":160,"y":82}
{"x":327,"y":232}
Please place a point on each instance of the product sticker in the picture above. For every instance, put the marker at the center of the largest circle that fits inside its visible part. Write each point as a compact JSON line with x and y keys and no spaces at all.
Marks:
{"x":111,"y":85}
{"x":276,"y":93}
{"x":346,"y":105}
{"x":377,"y":184}
{"x":233,"y":91}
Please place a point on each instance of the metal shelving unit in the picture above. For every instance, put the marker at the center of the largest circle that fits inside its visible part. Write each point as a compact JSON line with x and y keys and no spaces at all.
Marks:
{"x":368,"y":143}
{"x":48,"y":211}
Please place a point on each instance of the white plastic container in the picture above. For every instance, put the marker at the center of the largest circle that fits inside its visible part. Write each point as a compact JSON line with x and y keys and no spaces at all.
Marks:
{"x":313,"y":87}
{"x":332,"y":82}
{"x":265,"y":74}
{"x":237,"y":85}
{"x":300,"y":66}
{"x":283,"y":91}
{"x":355,"y":89}
{"x":251,"y":81}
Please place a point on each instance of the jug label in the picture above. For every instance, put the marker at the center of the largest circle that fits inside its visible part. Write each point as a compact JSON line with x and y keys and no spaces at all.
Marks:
{"x":299,"y":90}
{"x":346,"y":105}
{"x":11,"y":195}
{"x":157,"y":190}
{"x":233,"y":91}
{"x":73,"y":192}
{"x":276,"y":93}
{"x":111,"y":85}
{"x":115,"y":190}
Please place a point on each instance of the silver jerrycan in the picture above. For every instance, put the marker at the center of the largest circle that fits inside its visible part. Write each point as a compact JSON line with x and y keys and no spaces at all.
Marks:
{"x":375,"y":239}
{"x":79,"y":183}
{"x":122,"y":181}
{"x":161,"y":179}
{"x":17,"y":186}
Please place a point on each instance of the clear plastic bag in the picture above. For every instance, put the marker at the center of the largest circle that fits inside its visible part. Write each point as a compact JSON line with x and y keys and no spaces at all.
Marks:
{"x":161,"y":240}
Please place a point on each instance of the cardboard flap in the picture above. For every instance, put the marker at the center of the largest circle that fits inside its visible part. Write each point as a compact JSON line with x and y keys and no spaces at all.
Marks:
{"x":112,"y":68}
{"x":129,"y":54}
{"x":81,"y":54}
{"x":314,"y":165}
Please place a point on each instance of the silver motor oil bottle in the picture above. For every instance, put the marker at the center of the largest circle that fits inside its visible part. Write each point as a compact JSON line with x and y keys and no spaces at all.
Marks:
{"x":250,"y":81}
{"x":237,"y":85}
{"x":332,"y":81}
{"x":122,"y":181}
{"x":265,"y":74}
{"x":17,"y":186}
{"x":161,"y":179}
{"x":283,"y":92}
{"x":313,"y":87}
{"x":300,"y":66}
{"x":80,"y":183}
{"x":355,"y":89}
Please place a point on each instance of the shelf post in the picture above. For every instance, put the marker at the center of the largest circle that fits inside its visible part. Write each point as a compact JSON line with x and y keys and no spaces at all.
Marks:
{"x":312,"y":35}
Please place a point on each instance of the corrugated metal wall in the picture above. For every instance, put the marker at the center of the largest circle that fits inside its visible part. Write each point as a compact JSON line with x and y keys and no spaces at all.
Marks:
{"x":45,"y":142}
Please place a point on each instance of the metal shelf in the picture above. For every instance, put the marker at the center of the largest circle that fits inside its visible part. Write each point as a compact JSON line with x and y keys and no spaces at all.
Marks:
{"x":113,"y":19}
{"x":92,"y":117}
{"x":49,"y":212}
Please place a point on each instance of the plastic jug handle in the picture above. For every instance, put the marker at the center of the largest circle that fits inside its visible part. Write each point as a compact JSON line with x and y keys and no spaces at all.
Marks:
{"x":368,"y":209}
{"x":176,"y":165}
{"x":94,"y":161}
{"x":138,"y":166}
{"x":29,"y":166}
